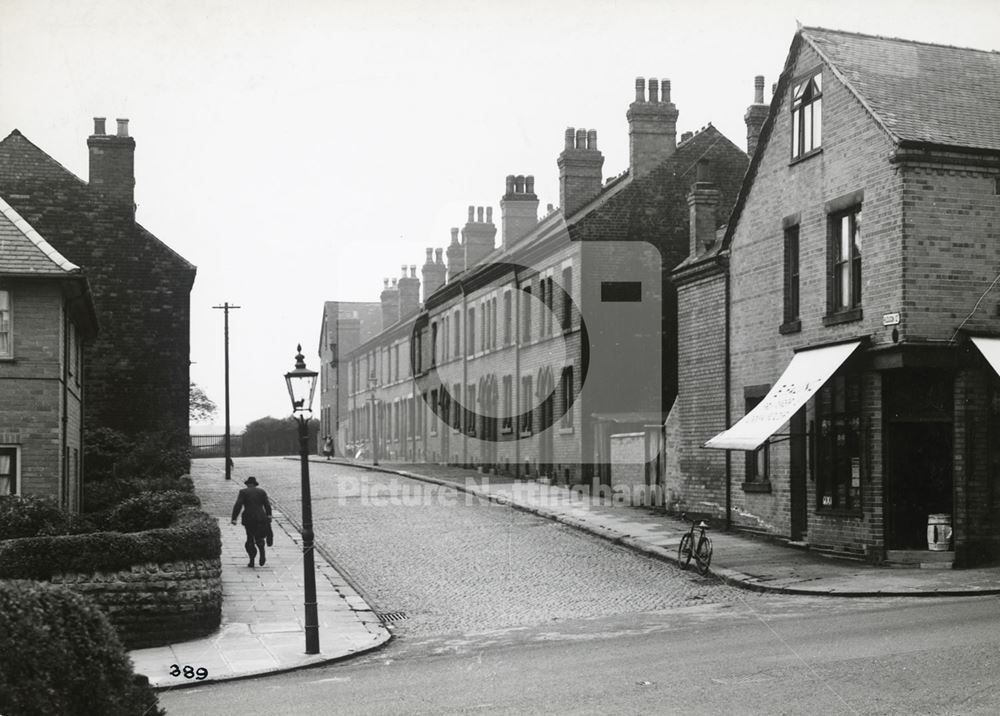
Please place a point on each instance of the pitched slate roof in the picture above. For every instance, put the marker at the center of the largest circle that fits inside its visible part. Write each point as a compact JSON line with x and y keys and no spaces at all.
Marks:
{"x":917,"y":91}
{"x":23,"y":251}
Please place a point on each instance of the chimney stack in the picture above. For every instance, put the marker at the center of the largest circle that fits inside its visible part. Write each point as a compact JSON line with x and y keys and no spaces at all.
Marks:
{"x":390,"y":304}
{"x":703,"y":202}
{"x":456,"y":254}
{"x":756,"y":114}
{"x":433,"y":273}
{"x":409,"y":293}
{"x":478,"y":237}
{"x":652,"y":126}
{"x":112,"y":165}
{"x":580,"y":167}
{"x":518,"y":209}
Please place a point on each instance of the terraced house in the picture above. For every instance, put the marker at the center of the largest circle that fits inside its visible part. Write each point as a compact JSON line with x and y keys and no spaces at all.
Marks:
{"x":838,"y":371}
{"x":528,"y":354}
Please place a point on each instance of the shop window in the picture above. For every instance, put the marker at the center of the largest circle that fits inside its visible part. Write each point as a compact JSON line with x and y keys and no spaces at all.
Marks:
{"x":838,"y":444}
{"x":807,"y":115}
{"x":757,"y":465}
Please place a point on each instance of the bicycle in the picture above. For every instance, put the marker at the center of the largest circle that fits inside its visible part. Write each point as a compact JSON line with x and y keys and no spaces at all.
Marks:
{"x":701,"y":551}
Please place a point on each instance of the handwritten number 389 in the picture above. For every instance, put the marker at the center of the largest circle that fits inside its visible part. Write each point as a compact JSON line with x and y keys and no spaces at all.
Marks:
{"x":189,"y":672}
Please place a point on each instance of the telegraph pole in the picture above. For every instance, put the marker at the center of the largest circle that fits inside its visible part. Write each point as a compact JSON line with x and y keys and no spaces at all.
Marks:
{"x":226,"y":307}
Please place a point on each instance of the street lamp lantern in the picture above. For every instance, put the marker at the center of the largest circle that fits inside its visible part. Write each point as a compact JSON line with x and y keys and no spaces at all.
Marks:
{"x":301,"y":384}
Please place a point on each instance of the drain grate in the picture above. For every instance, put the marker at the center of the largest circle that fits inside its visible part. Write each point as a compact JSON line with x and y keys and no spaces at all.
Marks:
{"x":390,"y":617}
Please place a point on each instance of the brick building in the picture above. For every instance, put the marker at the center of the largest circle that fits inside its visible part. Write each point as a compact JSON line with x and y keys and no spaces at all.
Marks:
{"x":137,"y":368}
{"x":851,"y":358}
{"x":528,"y":354}
{"x":346,"y":324}
{"x":46,"y":316}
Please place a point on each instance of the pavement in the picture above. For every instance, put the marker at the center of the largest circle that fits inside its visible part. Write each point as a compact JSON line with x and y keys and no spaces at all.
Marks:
{"x":262,"y":629}
{"x":740,"y":559}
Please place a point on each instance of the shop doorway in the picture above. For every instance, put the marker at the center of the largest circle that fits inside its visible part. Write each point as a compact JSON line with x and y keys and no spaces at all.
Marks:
{"x":920,"y":481}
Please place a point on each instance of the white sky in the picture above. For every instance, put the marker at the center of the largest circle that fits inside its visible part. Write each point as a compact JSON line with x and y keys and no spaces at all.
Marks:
{"x":300,"y":151}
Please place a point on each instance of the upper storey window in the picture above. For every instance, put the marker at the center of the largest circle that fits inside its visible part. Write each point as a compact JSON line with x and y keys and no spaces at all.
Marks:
{"x":6,"y":342}
{"x":807,"y":115}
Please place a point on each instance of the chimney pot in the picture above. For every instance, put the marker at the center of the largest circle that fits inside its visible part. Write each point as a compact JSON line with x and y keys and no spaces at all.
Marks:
{"x":640,"y":89}
{"x":430,"y":255}
{"x":654,"y":91}
{"x":529,"y":184}
{"x":403,"y":270}
{"x":438,"y":256}
{"x":489,"y":214}
{"x":519,"y":184}
{"x":510,"y":183}
{"x":454,"y":230}
{"x":758,"y":89}
{"x":385,"y":283}
{"x":122,"y":127}
{"x":592,"y":139}
{"x":479,"y":214}
{"x":581,"y":139}
{"x":570,"y":133}
{"x":472,"y":215}
{"x":394,"y":282}
{"x":99,"y":126}
{"x":413,"y":271}
{"x":665,"y":91}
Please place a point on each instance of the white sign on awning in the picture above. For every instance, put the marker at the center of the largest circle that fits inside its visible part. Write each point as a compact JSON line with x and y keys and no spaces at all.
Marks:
{"x":805,"y":374}
{"x":990,"y":348}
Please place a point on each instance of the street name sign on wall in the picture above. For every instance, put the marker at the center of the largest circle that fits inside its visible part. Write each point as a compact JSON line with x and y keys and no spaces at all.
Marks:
{"x":805,"y":374}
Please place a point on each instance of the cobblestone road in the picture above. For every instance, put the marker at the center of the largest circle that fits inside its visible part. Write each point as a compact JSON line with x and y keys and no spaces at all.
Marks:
{"x":453,"y":563}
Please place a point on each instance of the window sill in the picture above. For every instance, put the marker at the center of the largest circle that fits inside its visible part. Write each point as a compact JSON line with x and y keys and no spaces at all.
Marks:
{"x":763,"y":487}
{"x":807,"y":155}
{"x":506,"y":431}
{"x":525,"y":434}
{"x":566,"y":431}
{"x":790,"y":327}
{"x":848,"y":316}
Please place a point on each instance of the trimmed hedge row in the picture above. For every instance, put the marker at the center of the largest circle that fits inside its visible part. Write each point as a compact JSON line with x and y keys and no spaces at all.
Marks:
{"x":60,"y":655}
{"x":193,"y":535}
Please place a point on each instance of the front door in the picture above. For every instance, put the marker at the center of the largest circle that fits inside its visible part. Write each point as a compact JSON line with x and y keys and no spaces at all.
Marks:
{"x":797,"y":475}
{"x":920,"y":481}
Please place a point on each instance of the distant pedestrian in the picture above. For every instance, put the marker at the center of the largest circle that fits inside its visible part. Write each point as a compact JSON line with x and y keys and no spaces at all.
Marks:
{"x":256,"y":518}
{"x":328,"y":447}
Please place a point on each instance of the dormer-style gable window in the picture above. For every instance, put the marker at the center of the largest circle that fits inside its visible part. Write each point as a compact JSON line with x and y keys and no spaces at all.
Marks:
{"x":807,"y":115}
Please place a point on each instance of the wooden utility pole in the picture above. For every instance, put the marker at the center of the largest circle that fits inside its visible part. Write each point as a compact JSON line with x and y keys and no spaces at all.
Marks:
{"x":226,"y":307}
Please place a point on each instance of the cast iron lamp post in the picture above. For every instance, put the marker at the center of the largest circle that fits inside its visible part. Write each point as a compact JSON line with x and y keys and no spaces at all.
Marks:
{"x":301,"y":384}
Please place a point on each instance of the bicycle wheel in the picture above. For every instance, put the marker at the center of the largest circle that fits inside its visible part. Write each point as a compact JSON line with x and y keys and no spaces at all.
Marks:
{"x":684,"y":551}
{"x":703,"y":555}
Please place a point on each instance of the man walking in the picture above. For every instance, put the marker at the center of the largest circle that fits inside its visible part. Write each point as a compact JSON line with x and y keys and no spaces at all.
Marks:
{"x":256,"y":518}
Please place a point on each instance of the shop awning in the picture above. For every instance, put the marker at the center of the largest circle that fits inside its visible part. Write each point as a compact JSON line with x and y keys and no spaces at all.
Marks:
{"x":990,"y":348}
{"x":805,"y":374}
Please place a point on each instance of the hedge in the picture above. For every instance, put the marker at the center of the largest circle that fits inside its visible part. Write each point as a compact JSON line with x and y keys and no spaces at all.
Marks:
{"x":192,"y":535}
{"x":60,"y":655}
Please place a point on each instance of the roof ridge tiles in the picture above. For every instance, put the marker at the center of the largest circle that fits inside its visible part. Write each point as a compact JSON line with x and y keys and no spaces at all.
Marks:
{"x":816,"y":28}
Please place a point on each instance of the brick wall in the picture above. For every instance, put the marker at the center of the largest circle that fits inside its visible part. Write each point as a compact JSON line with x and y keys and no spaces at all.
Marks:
{"x":154,"y":604}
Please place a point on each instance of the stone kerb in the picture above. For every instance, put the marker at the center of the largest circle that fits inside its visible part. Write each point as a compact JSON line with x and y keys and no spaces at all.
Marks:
{"x":153,"y":604}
